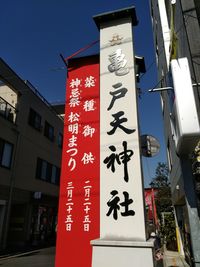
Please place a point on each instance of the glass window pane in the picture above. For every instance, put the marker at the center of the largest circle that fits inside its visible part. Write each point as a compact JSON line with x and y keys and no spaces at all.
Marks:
{"x":39,"y":168}
{"x":7,"y":155}
{"x":34,"y":119}
{"x":44,"y":170}
{"x":49,"y":172}
{"x":53,"y":177}
{"x":1,"y":149}
{"x":37,"y":122}
{"x":58,"y":176}
{"x":60,"y":140}
{"x":49,"y":131}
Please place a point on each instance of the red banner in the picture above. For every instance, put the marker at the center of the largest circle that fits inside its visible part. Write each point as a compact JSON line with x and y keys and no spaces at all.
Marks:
{"x":78,"y":217}
{"x":150,"y":202}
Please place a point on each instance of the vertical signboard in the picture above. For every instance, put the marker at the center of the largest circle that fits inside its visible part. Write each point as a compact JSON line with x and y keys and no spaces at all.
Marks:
{"x":78,"y":218}
{"x":150,"y":203}
{"x":122,"y":200}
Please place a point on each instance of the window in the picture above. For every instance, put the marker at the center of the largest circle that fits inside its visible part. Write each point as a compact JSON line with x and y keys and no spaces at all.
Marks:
{"x":49,"y":131}
{"x":7,"y":111}
{"x":197,"y":4}
{"x":34,"y":119}
{"x":152,"y":13}
{"x":6,"y":151}
{"x":47,"y":172}
{"x":168,"y":11}
{"x":169,"y":157}
{"x":55,"y":176}
{"x":60,"y":140}
{"x":162,"y":85}
{"x":43,"y":175}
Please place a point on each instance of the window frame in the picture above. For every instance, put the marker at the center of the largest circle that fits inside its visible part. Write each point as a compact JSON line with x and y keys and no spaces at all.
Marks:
{"x":32,"y":119}
{"x":44,"y":172}
{"x":49,"y":131}
{"x":3,"y":160}
{"x":60,"y":140}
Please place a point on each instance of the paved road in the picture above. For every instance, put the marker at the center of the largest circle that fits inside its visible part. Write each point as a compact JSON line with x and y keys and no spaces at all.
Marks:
{"x":46,"y":257}
{"x":173,"y":258}
{"x":38,"y":258}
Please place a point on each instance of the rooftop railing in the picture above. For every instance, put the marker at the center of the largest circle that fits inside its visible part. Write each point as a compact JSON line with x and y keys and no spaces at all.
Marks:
{"x":35,"y":91}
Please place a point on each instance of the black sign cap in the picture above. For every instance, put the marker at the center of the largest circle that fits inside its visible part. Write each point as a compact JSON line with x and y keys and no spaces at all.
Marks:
{"x":116,"y":14}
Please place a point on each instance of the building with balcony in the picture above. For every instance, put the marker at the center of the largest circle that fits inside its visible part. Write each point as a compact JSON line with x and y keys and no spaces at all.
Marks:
{"x":31,"y":134}
{"x":176,"y":28}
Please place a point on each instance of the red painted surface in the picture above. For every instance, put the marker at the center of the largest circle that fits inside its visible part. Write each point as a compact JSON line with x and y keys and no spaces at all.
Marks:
{"x":78,"y":217}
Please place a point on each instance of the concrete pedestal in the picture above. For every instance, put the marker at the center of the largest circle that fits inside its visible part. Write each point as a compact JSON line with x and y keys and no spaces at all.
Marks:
{"x":110,"y":253}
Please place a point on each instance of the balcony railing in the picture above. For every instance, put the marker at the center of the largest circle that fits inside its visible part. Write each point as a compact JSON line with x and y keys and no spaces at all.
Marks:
{"x":7,"y":111}
{"x":36,"y":92}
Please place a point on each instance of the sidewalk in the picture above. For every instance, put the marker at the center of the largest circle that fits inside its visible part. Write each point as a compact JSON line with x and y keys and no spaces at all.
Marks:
{"x":173,"y":258}
{"x":45,"y":257}
{"x":40,"y":258}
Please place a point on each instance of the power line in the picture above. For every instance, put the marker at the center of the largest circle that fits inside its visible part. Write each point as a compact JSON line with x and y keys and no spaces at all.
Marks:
{"x":161,"y":51}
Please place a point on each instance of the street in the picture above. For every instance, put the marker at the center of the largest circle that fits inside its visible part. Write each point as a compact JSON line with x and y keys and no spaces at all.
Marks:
{"x":37,"y":258}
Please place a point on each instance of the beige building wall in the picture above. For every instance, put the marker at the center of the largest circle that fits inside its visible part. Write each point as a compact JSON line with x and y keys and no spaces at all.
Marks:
{"x":186,"y":44}
{"x":25,"y":198}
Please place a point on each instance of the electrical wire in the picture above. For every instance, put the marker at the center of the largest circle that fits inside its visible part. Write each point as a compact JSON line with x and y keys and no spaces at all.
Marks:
{"x":159,"y":54}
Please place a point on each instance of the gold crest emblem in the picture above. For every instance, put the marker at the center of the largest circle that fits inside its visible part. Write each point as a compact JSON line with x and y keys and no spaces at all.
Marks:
{"x":116,"y":39}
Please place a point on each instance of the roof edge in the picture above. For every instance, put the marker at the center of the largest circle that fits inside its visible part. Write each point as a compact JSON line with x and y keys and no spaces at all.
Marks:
{"x":116,"y":14}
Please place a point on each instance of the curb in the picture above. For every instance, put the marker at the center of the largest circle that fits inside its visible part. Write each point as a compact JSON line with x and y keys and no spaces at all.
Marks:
{"x":7,"y":257}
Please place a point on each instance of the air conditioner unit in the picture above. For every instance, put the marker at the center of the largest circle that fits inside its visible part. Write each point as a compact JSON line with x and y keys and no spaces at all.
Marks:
{"x":184,"y":117}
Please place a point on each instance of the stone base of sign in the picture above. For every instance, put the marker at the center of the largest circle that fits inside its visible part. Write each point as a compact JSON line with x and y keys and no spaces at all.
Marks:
{"x":110,"y":253}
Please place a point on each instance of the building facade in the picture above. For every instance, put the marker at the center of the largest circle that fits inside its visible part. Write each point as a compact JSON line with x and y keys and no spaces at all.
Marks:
{"x":30,"y":158}
{"x":176,"y":31}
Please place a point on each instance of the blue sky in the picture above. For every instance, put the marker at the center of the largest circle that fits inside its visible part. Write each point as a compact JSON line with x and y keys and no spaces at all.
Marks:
{"x":35,"y":32}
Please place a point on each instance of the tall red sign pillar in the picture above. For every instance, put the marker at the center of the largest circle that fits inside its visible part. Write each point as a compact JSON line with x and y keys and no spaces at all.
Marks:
{"x":78,"y":216}
{"x":122,"y":220}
